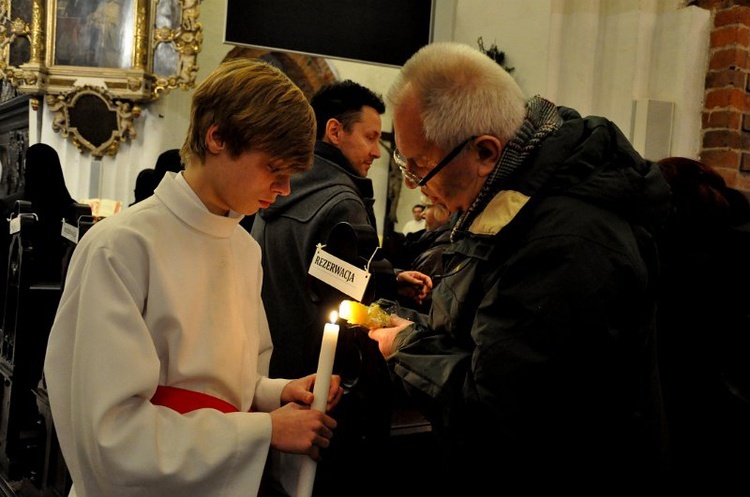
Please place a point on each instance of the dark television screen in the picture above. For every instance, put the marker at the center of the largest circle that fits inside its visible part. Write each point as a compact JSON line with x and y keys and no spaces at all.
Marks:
{"x":384,"y":32}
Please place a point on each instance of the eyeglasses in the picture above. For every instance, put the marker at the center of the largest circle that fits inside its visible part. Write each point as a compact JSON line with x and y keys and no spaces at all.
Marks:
{"x":419,"y":181}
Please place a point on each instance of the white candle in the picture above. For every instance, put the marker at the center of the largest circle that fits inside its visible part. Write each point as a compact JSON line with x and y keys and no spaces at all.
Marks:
{"x":320,"y":391}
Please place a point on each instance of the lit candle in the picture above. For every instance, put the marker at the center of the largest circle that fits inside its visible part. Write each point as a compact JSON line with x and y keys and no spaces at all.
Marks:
{"x":356,"y":313}
{"x":320,"y":392}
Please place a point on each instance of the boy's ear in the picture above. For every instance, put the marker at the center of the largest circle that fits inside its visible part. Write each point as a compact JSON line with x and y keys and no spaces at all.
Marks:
{"x":214,"y":141}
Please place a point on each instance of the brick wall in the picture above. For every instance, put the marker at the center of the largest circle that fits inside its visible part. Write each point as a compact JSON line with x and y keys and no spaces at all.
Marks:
{"x":726,"y":109}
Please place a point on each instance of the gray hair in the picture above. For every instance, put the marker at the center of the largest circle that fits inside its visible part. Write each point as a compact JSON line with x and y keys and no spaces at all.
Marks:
{"x":462,"y":92}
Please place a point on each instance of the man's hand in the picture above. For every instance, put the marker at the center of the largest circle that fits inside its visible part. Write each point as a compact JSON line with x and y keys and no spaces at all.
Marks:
{"x":385,"y":336}
{"x":414,"y":285}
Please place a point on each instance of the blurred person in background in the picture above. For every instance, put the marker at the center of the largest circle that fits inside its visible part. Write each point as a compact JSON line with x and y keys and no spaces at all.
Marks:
{"x":704,"y":326}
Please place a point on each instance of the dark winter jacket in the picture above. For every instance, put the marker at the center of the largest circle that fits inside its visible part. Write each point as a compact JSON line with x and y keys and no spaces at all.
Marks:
{"x":536,"y":363}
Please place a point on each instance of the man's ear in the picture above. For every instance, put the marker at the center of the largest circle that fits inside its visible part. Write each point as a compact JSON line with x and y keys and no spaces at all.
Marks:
{"x":214,"y":141}
{"x":488,"y":148}
{"x":334,"y":128}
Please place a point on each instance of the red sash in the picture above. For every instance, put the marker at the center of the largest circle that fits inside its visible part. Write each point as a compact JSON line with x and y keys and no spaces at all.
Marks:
{"x":184,"y":401}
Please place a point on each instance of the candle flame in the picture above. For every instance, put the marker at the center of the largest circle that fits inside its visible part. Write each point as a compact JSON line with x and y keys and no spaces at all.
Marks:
{"x":334,"y":316}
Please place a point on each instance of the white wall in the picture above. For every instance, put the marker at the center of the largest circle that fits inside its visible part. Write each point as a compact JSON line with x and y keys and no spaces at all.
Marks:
{"x":598,"y":56}
{"x":595,"y":55}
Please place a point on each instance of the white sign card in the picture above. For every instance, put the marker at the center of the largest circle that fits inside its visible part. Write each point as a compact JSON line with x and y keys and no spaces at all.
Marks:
{"x":338,"y":273}
{"x":70,"y":232}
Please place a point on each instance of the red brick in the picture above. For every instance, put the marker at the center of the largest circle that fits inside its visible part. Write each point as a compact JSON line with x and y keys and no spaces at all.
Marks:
{"x":734,"y":36}
{"x":726,"y":78}
{"x":738,"y":14}
{"x":721,"y":158}
{"x":717,"y":4}
{"x":726,"y":98}
{"x":727,"y":58}
{"x":725,"y":119}
{"x":745,"y":163}
{"x":722,"y":139}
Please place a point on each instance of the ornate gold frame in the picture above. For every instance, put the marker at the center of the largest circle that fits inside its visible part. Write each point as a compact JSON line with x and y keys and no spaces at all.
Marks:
{"x":153,"y":28}
{"x":131,"y":81}
{"x":93,"y":119}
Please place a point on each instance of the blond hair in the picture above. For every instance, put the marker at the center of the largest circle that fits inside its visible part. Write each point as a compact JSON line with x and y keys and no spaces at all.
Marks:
{"x":254,"y":106}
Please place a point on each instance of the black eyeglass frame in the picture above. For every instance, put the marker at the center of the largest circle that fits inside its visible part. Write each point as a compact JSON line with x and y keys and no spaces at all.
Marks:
{"x":402,"y":161}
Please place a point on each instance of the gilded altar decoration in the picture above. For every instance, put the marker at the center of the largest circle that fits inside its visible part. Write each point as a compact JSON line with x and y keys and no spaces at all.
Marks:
{"x":134,"y":51}
{"x":177,"y":42}
{"x":93,"y":119}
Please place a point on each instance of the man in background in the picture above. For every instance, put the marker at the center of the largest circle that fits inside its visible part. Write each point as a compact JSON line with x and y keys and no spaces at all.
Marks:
{"x":335,"y":190}
{"x":417,"y":223}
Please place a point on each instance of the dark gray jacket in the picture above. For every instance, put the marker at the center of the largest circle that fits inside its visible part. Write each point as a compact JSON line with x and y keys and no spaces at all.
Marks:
{"x":288,"y":232}
{"x":298,"y":306}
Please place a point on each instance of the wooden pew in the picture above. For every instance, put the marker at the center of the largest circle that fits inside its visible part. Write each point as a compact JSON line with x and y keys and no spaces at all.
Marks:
{"x":53,"y":477}
{"x":33,"y":288}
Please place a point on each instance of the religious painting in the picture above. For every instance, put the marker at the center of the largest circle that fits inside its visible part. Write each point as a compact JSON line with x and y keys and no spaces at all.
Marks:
{"x":94,"y":33}
{"x":132,"y":50}
{"x":136,"y":49}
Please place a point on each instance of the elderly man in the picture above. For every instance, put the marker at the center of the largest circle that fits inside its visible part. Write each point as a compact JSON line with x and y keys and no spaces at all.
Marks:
{"x":536,"y":362}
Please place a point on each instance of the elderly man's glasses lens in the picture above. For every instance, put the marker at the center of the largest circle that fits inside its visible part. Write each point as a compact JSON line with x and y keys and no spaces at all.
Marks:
{"x":419,"y":181}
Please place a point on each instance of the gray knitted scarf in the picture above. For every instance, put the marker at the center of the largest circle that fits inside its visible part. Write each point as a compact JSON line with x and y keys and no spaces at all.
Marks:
{"x":541,"y":120}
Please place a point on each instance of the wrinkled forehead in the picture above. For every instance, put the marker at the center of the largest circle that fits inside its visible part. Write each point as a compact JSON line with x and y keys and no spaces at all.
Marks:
{"x":408,"y":126}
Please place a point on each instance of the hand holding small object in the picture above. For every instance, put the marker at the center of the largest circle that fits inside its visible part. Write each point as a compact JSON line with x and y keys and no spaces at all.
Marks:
{"x":385,"y":336}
